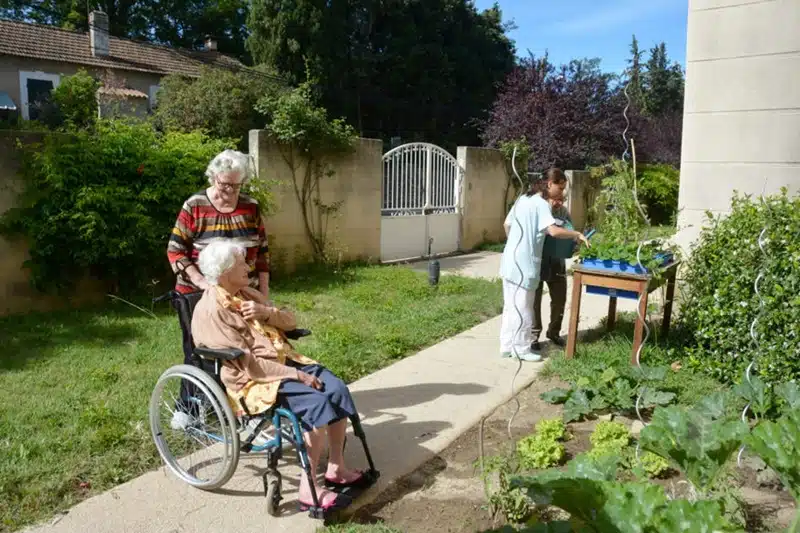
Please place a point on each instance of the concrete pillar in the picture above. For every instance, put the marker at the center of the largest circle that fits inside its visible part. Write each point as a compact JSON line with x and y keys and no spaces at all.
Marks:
{"x":741,"y":125}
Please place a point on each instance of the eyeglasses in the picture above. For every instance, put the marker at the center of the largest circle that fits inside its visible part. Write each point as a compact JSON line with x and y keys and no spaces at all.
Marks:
{"x":227,"y":186}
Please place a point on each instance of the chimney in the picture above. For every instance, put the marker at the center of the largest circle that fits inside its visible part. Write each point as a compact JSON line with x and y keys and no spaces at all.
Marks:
{"x":98,"y":33}
{"x":211,"y":44}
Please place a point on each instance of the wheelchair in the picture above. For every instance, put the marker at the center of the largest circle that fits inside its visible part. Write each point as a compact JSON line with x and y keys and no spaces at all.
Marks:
{"x":189,"y":408}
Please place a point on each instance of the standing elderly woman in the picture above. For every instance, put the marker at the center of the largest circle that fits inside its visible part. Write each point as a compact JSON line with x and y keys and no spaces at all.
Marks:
{"x":220,"y":211}
{"x":231,"y":314}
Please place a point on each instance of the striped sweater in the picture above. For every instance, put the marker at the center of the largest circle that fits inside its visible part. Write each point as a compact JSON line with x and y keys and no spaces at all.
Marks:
{"x":199,"y":222}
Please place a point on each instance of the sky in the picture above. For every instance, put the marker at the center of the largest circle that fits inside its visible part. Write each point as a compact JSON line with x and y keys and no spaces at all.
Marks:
{"x":570,"y":29}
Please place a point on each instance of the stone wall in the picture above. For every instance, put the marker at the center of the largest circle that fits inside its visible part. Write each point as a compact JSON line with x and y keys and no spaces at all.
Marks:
{"x":354,"y":231}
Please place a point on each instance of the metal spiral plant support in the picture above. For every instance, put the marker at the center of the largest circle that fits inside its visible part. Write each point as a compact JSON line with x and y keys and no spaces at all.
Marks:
{"x":630,"y":148}
{"x":516,"y":333}
{"x":762,"y":240}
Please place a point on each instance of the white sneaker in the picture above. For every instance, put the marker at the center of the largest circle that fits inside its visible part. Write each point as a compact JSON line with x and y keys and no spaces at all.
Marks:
{"x":530,"y":357}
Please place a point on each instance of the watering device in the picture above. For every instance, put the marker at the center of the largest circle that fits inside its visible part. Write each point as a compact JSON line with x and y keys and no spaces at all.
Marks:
{"x":434,"y":269}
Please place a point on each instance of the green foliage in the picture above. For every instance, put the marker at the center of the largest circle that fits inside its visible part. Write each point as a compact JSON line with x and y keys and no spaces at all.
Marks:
{"x":542,"y":449}
{"x":596,"y":504}
{"x":220,"y":102}
{"x":609,"y":438}
{"x":693,"y":442}
{"x":658,"y":187}
{"x":654,"y":466}
{"x":102,"y":202}
{"x":778,"y":444}
{"x":76,"y":98}
{"x":614,"y":390}
{"x":511,"y":502}
{"x":622,"y":227}
{"x":309,"y":140}
{"x":720,"y":300}
{"x":536,"y":451}
{"x":552,"y":429}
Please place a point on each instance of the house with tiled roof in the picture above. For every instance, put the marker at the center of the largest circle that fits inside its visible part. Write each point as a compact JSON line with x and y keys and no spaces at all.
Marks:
{"x":34,"y":58}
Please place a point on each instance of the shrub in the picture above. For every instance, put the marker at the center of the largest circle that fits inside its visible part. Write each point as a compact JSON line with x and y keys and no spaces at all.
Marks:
{"x":220,"y":102}
{"x":720,"y":300}
{"x":552,"y":429}
{"x":658,"y":190}
{"x":103,"y":202}
{"x":76,"y":99}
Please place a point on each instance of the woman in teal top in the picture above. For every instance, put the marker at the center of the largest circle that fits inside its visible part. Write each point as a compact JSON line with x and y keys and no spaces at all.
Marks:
{"x":527,"y":224}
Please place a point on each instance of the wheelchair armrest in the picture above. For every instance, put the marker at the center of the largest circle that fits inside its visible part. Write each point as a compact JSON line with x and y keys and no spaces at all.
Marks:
{"x":224,"y":354}
{"x":297,"y":334}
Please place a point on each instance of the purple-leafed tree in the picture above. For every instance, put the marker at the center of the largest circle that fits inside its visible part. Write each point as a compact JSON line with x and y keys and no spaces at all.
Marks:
{"x":571,"y":115}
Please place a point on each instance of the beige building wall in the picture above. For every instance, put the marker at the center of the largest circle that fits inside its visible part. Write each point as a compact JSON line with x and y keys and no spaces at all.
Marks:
{"x":354,"y":231}
{"x":741,"y":126}
{"x":11,"y":66}
{"x":483,"y":188}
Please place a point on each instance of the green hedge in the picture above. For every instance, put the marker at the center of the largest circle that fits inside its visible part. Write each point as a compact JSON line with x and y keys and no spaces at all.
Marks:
{"x":658,"y":190}
{"x":103,"y":202}
{"x":721,"y":302}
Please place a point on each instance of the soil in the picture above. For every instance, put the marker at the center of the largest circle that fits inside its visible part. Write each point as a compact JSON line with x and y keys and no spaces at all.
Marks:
{"x":446,"y":494}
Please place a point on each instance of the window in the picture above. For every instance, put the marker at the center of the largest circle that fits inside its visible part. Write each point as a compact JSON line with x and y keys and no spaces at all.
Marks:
{"x":153,"y":95}
{"x":34,"y":90}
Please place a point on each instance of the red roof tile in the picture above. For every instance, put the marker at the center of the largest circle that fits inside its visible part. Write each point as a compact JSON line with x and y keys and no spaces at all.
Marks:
{"x":54,"y":44}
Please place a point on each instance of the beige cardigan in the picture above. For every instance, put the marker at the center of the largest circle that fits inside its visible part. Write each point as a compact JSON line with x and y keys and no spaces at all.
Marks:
{"x":216,"y":323}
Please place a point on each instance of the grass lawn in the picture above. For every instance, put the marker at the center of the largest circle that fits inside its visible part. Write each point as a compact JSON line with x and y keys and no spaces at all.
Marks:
{"x":74,"y":386}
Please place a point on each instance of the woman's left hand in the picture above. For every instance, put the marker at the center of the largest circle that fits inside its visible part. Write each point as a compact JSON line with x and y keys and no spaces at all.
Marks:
{"x":254,"y":310}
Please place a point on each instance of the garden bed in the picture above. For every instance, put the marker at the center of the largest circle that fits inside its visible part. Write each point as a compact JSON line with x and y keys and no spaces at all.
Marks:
{"x":446,"y":494}
{"x":75,"y":386}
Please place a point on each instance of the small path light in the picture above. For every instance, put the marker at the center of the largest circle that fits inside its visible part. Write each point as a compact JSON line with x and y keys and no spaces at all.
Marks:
{"x":434,"y":269}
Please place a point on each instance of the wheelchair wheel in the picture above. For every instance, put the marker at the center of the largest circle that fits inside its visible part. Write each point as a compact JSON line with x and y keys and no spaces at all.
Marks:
{"x":196,"y":437}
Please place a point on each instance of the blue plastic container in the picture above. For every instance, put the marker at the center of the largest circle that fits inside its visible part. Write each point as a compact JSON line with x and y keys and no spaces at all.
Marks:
{"x":619,"y":266}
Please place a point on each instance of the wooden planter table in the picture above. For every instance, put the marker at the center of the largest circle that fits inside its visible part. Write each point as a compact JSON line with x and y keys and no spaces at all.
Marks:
{"x":583,"y":276}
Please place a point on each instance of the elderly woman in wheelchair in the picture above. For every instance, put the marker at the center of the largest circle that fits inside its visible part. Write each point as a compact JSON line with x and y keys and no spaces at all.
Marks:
{"x":266,"y":380}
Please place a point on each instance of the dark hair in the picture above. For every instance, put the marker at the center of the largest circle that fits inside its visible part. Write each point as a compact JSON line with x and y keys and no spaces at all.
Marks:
{"x":552,"y":175}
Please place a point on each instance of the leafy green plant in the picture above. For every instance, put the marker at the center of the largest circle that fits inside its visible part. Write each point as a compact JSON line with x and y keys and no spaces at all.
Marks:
{"x":220,"y":102}
{"x":609,"y":438}
{"x":102,"y":202}
{"x":653,"y":465}
{"x":542,"y":449}
{"x":720,"y":300}
{"x":693,"y":442}
{"x":511,"y":502}
{"x":76,"y":99}
{"x":552,"y":429}
{"x":778,"y":444}
{"x":621,"y":226}
{"x":658,"y":190}
{"x":612,"y":390}
{"x":597,"y":504}
{"x":308,"y":141}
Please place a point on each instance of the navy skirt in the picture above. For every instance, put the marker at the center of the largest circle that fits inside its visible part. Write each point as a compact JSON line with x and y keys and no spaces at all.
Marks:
{"x":315,"y":408}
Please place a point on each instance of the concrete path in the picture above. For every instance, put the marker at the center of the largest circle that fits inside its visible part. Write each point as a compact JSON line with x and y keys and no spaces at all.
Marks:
{"x":411,"y":411}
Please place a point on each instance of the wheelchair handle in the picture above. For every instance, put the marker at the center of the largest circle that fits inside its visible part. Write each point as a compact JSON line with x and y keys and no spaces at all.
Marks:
{"x":167,"y":296}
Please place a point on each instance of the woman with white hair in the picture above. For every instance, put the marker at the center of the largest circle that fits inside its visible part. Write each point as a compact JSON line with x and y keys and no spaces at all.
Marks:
{"x":220,"y":211}
{"x":231,"y":314}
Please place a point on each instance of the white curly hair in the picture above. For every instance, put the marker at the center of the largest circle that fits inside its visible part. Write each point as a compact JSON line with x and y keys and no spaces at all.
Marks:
{"x":230,"y":161}
{"x":217,"y":258}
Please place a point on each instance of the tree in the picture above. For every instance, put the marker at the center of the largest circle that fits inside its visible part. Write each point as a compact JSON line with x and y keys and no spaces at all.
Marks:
{"x":635,"y":91}
{"x":663,"y":84}
{"x":219,"y":102}
{"x":391,"y":67}
{"x":570,"y":115}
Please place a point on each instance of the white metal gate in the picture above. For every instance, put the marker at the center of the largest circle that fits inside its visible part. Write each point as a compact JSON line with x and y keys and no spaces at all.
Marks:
{"x":421,"y":202}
